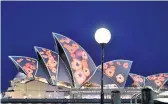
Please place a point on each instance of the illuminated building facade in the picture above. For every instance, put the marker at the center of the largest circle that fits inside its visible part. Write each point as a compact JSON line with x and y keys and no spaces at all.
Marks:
{"x":57,"y":74}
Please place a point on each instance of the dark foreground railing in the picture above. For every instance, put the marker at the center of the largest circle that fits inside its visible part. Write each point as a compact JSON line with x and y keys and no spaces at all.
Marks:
{"x":147,"y":97}
{"x":62,"y":101}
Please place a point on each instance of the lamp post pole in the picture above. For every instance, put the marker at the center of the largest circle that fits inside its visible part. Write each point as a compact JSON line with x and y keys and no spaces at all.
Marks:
{"x":102,"y":61}
{"x":102,"y":36}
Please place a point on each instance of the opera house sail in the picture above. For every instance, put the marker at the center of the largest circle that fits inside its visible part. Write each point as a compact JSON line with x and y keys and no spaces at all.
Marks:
{"x":138,"y":79}
{"x":81,"y":65}
{"x":26,"y":65}
{"x":156,"y":81}
{"x":117,"y":70}
{"x":59,"y":73}
{"x":50,"y":60}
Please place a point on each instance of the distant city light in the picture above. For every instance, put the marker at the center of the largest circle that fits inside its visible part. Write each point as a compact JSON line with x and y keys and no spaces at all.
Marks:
{"x":49,"y":95}
{"x":24,"y":97}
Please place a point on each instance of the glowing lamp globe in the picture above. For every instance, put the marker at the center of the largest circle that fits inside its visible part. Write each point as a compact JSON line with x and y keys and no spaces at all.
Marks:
{"x":102,"y":35}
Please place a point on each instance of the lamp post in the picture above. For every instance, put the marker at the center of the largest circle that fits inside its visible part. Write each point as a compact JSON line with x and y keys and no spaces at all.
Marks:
{"x":102,"y":36}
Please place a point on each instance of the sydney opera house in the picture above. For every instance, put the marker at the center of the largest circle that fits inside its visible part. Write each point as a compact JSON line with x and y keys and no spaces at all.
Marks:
{"x":69,"y":72}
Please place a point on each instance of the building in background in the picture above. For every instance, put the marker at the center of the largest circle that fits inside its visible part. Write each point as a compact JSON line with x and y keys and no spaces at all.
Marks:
{"x":59,"y":73}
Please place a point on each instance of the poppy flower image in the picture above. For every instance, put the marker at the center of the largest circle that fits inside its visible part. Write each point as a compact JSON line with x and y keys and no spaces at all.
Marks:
{"x":79,"y":76}
{"x":113,"y":68}
{"x":78,"y":53}
{"x":30,"y":65}
{"x":43,"y":49}
{"x":76,"y":64}
{"x":125,"y":65}
{"x":161,"y":79}
{"x":62,"y":40}
{"x":66,"y":46}
{"x":84,"y":55}
{"x":30,"y":75}
{"x":51,"y":57}
{"x":161,"y":75}
{"x":27,"y":64}
{"x":120,"y":78}
{"x":152,"y":77}
{"x":75,"y":46}
{"x":86,"y":71}
{"x":41,"y":53}
{"x":118,"y":63}
{"x":110,"y":63}
{"x":51,"y":64}
{"x":72,"y":55}
{"x":53,"y":69}
{"x":158,"y":83}
{"x":105,"y":66}
{"x":48,"y":53}
{"x":19,"y":60}
{"x":141,"y":80}
{"x":69,"y":48}
{"x":110,"y":72}
{"x":165,"y":75}
{"x":67,"y":40}
{"x":136,"y":79}
{"x":28,"y":70}
{"x":84,"y":64}
{"x":28,"y":59}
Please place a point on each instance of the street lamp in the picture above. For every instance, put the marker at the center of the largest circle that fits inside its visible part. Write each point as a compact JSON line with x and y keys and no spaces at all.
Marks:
{"x":102,"y":36}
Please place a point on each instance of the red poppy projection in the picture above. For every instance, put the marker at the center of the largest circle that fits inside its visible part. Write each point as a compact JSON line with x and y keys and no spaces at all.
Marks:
{"x":95,"y":80}
{"x":73,"y":67}
{"x":157,"y":80}
{"x":26,"y":65}
{"x":50,"y":60}
{"x":138,"y":79}
{"x":117,"y":70}
{"x":81,"y":64}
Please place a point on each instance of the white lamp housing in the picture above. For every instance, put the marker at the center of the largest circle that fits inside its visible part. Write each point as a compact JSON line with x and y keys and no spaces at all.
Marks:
{"x":0,"y":96}
{"x":102,"y":35}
